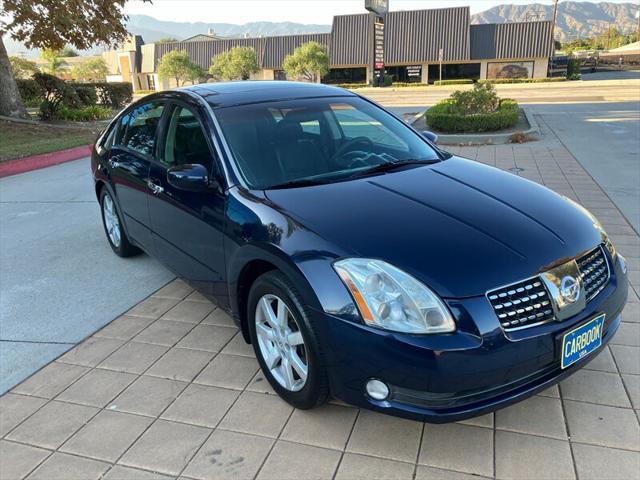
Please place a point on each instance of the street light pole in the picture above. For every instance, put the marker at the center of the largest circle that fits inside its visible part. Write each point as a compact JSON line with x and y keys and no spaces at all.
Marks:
{"x":553,"y":36}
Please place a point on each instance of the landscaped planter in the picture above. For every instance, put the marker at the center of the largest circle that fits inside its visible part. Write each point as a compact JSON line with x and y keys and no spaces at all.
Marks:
{"x":441,"y":118}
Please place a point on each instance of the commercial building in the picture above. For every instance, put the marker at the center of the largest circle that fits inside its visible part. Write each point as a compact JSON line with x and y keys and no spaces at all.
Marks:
{"x":418,"y":45}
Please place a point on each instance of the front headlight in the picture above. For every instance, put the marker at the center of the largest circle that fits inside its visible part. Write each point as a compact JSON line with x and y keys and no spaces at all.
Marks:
{"x":392,"y":299}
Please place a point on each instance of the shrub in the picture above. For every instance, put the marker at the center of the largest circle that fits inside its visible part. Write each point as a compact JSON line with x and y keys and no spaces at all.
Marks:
{"x":114,"y":94}
{"x":525,"y":80}
{"x":482,"y":99}
{"x":387,"y":80}
{"x":56,"y":93}
{"x":573,"y":66}
{"x":445,"y":117}
{"x":30,"y":90}
{"x":85,"y":114}
{"x":459,"y":81}
{"x":574,"y":76}
{"x":87,"y":94}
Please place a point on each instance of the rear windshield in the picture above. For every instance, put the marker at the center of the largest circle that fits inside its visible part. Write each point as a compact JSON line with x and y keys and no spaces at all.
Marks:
{"x":321,"y":139}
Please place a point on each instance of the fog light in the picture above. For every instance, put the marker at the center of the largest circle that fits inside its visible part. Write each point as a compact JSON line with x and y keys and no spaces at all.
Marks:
{"x":377,"y":390}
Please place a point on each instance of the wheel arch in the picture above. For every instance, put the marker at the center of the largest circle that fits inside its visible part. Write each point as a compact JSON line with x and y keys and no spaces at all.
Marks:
{"x":250,"y":263}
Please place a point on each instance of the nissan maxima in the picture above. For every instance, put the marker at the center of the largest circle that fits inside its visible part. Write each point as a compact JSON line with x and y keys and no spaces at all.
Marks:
{"x":358,"y":258}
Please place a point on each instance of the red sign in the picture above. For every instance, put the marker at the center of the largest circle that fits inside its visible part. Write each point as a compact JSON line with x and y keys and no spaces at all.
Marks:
{"x":379,"y":65}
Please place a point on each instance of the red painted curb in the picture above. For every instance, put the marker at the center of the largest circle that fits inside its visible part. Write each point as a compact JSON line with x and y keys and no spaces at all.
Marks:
{"x":35,"y":162}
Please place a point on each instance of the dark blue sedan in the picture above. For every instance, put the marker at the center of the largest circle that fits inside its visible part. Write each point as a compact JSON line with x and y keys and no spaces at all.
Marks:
{"x":359,"y":259}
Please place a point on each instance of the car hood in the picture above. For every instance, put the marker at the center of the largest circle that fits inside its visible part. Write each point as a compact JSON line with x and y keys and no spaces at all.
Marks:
{"x":459,"y":226}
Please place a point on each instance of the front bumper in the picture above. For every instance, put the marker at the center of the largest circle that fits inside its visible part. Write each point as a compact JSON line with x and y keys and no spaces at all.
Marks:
{"x":478,"y":369}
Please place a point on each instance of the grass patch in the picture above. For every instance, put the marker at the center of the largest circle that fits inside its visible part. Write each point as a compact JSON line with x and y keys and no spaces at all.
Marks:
{"x":22,"y":140}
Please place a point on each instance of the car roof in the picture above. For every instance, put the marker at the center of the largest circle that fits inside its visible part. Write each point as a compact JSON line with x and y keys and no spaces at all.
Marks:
{"x":226,"y":94}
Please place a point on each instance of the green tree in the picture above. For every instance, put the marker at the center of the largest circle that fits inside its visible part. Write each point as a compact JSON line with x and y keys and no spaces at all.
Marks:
{"x":309,"y":61}
{"x":236,"y":64}
{"x":196,"y":73}
{"x":55,"y":65}
{"x":167,"y":40}
{"x":22,"y":68}
{"x":177,"y":64}
{"x":68,"y":52}
{"x":95,"y":69}
{"x":54,"y":24}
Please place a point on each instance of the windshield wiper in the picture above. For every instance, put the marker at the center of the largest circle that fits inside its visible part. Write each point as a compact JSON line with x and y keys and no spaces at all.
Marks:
{"x":390,"y":166}
{"x":302,"y":182}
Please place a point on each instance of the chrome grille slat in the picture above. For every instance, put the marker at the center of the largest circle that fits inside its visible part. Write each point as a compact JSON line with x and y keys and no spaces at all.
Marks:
{"x":521,"y":304}
{"x":527,"y":303}
{"x":595,"y":273}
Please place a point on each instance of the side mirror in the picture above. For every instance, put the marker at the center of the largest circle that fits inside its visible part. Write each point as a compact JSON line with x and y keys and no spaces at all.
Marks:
{"x":432,"y":137}
{"x":190,"y":177}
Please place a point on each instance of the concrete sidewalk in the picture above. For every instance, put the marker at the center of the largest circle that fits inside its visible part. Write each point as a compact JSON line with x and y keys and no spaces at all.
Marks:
{"x":171,"y":390}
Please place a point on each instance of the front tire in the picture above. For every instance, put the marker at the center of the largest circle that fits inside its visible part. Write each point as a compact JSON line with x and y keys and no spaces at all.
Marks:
{"x":285,"y":343}
{"x":112,"y":224}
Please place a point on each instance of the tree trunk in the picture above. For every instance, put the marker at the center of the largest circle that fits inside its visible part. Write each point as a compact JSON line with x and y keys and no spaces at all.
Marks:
{"x":10,"y":101}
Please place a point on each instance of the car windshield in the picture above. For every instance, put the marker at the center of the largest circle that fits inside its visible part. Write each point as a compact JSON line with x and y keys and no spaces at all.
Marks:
{"x":319,"y":140}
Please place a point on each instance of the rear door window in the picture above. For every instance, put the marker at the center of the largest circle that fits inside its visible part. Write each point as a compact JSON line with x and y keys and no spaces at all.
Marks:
{"x":139,"y":127}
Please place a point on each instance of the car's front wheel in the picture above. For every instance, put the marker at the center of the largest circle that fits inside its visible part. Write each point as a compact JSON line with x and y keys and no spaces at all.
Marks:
{"x":285,"y":343}
{"x":113,"y":227}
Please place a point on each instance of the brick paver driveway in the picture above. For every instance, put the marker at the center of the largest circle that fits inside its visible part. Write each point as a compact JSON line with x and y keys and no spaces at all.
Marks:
{"x":171,"y":390}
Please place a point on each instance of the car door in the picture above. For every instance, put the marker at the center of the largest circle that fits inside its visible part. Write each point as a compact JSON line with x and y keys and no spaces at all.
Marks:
{"x":129,"y":163}
{"x":188,"y":226}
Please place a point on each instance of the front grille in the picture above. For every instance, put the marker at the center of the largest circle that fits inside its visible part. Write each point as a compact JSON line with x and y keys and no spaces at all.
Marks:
{"x":522,"y":304}
{"x":527,"y":303}
{"x":594,"y":271}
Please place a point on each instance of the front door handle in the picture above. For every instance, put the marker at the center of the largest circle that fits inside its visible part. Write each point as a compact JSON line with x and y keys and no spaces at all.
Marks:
{"x":155,"y":189}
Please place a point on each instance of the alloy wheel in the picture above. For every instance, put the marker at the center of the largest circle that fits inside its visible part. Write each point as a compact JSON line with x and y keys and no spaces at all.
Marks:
{"x":111,"y":221}
{"x":281,"y":343}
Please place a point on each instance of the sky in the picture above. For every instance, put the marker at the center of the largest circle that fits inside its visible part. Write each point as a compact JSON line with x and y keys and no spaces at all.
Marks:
{"x":299,"y":11}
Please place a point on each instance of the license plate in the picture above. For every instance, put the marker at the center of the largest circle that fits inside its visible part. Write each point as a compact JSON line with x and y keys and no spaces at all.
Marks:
{"x":581,"y":341}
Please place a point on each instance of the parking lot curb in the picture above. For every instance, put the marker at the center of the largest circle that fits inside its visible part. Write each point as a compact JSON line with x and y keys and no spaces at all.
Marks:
{"x":35,"y":162}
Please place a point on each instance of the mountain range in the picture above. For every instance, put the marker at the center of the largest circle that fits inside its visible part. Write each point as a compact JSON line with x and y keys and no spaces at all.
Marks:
{"x":575,"y":19}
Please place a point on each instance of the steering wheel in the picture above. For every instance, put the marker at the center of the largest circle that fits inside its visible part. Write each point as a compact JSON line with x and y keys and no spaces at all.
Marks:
{"x":344,"y":155}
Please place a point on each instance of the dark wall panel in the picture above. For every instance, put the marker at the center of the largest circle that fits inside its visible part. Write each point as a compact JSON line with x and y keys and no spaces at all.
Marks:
{"x":417,"y":36}
{"x":511,"y":40}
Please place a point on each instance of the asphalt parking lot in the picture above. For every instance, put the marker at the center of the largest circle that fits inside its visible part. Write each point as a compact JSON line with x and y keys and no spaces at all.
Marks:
{"x":171,"y":390}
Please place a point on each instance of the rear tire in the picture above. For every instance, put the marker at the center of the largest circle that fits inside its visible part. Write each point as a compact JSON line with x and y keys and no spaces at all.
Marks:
{"x":287,"y":342}
{"x":112,"y":223}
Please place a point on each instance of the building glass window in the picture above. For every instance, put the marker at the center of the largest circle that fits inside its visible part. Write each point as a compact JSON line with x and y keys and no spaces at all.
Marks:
{"x":346,"y":75}
{"x":454,"y":71}
{"x":405,"y":73}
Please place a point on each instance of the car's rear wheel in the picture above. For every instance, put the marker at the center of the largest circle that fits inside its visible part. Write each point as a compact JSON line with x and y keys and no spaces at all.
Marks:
{"x":112,"y":224}
{"x":285,"y":343}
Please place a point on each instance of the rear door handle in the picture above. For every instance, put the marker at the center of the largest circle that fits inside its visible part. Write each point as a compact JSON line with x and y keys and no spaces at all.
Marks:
{"x":155,"y":189}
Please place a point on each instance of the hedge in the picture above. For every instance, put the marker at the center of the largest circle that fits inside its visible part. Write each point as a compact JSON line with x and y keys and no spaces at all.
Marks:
{"x":350,"y":86}
{"x":85,"y":114}
{"x":29,"y":90}
{"x":459,"y":81}
{"x":408,"y":84}
{"x":440,"y":119}
{"x":114,"y":94}
{"x":525,"y":80}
